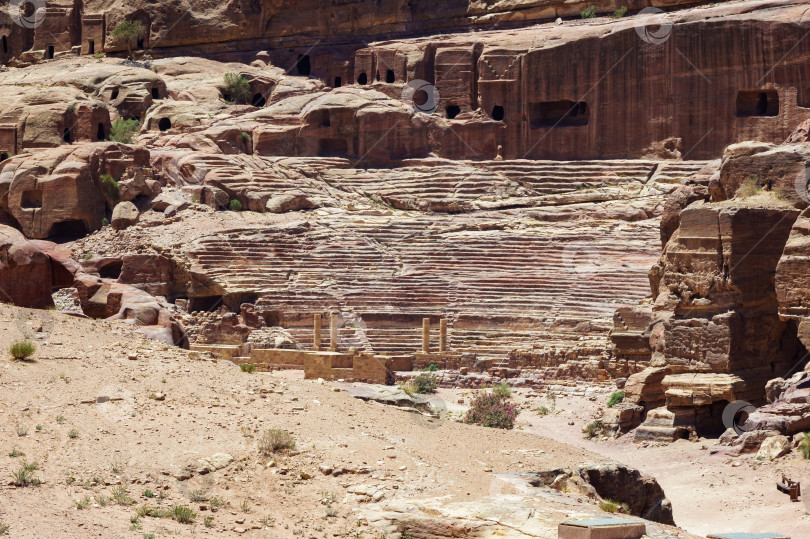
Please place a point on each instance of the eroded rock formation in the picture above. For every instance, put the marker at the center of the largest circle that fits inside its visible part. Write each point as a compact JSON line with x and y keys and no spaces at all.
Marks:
{"x":728,"y":313}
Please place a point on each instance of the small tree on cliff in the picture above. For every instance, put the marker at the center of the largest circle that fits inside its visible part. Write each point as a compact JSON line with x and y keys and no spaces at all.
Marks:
{"x":129,"y":32}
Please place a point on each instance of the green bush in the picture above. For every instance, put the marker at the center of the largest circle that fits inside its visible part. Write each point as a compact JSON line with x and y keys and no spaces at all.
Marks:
{"x":25,"y":476}
{"x":248,"y":367}
{"x":124,"y":131}
{"x":237,"y":89}
{"x":432,"y":368}
{"x":593,"y":429}
{"x":183,"y":514}
{"x":425,"y":383}
{"x":490,"y":410}
{"x":615,"y":398}
{"x":609,"y":506}
{"x":619,"y":13}
{"x":245,"y":137}
{"x":110,"y":187}
{"x":235,"y":205}
{"x":129,"y":32}
{"x":589,"y":12}
{"x":22,"y":349}
{"x":502,"y":390}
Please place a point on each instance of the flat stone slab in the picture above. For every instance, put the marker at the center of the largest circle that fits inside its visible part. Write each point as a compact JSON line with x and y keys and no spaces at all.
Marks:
{"x":601,"y":528}
{"x":742,"y":535}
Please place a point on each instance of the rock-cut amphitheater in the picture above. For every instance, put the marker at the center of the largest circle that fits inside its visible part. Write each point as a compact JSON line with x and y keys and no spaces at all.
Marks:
{"x":555,"y":195}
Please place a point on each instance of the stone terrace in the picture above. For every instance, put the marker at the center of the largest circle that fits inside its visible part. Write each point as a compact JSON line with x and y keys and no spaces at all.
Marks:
{"x":501,"y":281}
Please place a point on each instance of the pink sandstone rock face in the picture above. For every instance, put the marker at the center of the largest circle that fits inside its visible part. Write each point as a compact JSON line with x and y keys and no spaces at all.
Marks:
{"x":59,"y":192}
{"x":27,"y":274}
{"x":729,"y":309}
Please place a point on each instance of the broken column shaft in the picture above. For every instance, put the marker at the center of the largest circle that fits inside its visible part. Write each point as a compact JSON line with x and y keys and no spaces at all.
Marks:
{"x":316,"y":343}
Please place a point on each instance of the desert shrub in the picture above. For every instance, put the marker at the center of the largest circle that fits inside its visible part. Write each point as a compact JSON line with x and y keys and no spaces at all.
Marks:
{"x":73,"y":434}
{"x":154,"y":512}
{"x":804,"y":445}
{"x":121,"y":495}
{"x":425,"y":383}
{"x":609,"y":506}
{"x":237,"y":88}
{"x":110,"y":187}
{"x":593,"y":429}
{"x":22,"y":349}
{"x":248,"y":367}
{"x":589,"y":12}
{"x":748,"y":188}
{"x":542,"y":410}
{"x":245,"y":137}
{"x":235,"y":205}
{"x":183,"y":514}
{"x":408,"y":387}
{"x":432,"y":368}
{"x":4,"y":528}
{"x":198,"y":496}
{"x":25,"y":476}
{"x":615,"y":398}
{"x":619,"y":13}
{"x":490,"y":410}
{"x":502,"y":390}
{"x":274,"y":440}
{"x":124,"y":131}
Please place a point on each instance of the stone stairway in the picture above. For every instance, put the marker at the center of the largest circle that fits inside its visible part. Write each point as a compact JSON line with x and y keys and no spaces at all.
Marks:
{"x":436,"y":184}
{"x":500,"y":286}
{"x":440,"y":185}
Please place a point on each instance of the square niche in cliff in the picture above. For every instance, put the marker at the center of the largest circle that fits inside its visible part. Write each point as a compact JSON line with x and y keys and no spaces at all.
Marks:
{"x":757,"y":103}
{"x":562,"y":113}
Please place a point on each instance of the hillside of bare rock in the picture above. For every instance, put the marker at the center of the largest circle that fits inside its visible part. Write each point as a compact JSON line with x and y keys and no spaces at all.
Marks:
{"x":225,"y":223}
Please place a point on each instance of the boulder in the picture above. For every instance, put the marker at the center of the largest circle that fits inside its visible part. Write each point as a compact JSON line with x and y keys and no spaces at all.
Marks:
{"x":774,"y":447}
{"x":289,"y":202}
{"x":750,"y":442}
{"x":124,"y":215}
{"x":26,"y":273}
{"x":169,"y":199}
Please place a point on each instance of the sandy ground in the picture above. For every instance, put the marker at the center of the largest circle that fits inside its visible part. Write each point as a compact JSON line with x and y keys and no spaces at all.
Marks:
{"x":709,"y":492}
{"x":168,"y":409}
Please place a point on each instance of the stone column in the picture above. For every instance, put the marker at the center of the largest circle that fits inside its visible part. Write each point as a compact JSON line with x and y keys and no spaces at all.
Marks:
{"x":333,"y":332}
{"x":316,"y":343}
{"x":426,"y":335}
{"x":443,"y":335}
